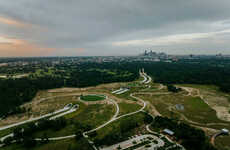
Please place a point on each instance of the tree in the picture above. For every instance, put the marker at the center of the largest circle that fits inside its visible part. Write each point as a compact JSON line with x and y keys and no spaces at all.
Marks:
{"x":18,"y":133}
{"x":173,"y":89}
{"x":8,"y":140}
{"x":29,"y":142}
{"x":45,"y":138}
{"x":147,"y":118}
{"x":79,"y":135}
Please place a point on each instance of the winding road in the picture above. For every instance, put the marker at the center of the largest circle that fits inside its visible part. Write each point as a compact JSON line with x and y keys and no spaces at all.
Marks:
{"x":147,"y":79}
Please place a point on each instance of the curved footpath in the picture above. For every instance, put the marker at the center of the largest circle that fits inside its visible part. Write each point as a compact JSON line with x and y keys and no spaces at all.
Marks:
{"x":114,"y":118}
{"x":147,"y":79}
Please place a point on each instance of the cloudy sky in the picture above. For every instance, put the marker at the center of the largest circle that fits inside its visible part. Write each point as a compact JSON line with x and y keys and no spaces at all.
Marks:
{"x":113,"y":27}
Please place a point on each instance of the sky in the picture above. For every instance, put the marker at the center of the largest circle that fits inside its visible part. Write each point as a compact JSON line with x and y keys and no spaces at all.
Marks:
{"x":113,"y":27}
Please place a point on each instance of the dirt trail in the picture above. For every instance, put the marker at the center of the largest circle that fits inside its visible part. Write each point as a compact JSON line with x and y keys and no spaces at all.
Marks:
{"x":222,"y":112}
{"x":161,"y":87}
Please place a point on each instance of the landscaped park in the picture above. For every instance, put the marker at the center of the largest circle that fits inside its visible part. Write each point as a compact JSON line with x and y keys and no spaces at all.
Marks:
{"x":99,"y":118}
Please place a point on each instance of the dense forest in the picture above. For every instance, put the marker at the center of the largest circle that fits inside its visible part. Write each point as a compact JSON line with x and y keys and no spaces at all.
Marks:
{"x":190,"y":73}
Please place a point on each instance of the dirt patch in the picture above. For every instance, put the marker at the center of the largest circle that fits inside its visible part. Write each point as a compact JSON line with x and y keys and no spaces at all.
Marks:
{"x":208,"y":131}
{"x":152,"y":109}
{"x":215,"y":100}
{"x":222,"y":113}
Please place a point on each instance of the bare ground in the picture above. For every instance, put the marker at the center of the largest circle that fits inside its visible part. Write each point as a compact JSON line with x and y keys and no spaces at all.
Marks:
{"x":217,"y":102}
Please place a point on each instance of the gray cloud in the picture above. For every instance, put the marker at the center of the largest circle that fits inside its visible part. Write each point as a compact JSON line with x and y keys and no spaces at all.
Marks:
{"x":96,"y":25}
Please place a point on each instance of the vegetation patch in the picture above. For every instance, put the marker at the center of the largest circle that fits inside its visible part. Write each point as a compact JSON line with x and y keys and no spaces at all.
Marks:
{"x":195,"y":109}
{"x":121,"y":129}
{"x":222,"y":142}
{"x":128,"y":107}
{"x":89,"y":117}
{"x":92,"y":97}
{"x":68,"y":144}
{"x":191,"y":138}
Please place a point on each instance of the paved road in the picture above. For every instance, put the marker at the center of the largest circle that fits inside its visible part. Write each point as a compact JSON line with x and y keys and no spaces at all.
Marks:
{"x":150,"y":131}
{"x":57,"y":138}
{"x":105,"y":124}
{"x":214,"y":137}
{"x":34,"y":119}
{"x":70,"y":110}
{"x":138,"y":139}
{"x":44,"y":116}
{"x":116,"y":91}
{"x":123,"y":91}
{"x":147,"y":79}
{"x":112,"y":119}
{"x":73,"y":109}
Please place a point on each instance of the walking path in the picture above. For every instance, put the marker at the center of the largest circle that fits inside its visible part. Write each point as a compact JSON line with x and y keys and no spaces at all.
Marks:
{"x":35,"y":119}
{"x":114,"y":118}
{"x":68,"y":107}
{"x":147,"y":79}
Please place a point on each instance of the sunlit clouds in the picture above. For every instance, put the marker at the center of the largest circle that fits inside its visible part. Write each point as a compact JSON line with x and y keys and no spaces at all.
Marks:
{"x":113,"y":27}
{"x":12,"y":22}
{"x":15,"y":47}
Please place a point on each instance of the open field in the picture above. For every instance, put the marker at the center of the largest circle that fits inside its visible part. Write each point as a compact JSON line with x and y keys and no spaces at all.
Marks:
{"x":128,"y":107}
{"x":92,"y":115}
{"x":195,"y":110}
{"x":38,"y":108}
{"x":216,"y":99}
{"x":222,"y":142}
{"x":116,"y":127}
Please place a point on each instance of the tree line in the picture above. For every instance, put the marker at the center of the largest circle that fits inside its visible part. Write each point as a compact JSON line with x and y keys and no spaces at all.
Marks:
{"x":14,"y":92}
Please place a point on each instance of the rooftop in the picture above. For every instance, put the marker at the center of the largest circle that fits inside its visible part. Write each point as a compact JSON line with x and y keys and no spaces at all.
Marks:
{"x":168,"y":131}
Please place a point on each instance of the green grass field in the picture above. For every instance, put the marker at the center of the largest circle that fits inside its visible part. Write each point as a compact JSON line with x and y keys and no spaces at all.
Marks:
{"x":93,"y":115}
{"x":128,"y":108}
{"x":196,"y":112}
{"x":116,"y":126}
{"x":92,"y":97}
{"x":222,"y":143}
{"x":195,"y":109}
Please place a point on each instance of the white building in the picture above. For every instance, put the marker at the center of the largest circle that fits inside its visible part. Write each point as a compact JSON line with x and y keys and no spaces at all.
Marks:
{"x":225,"y":131}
